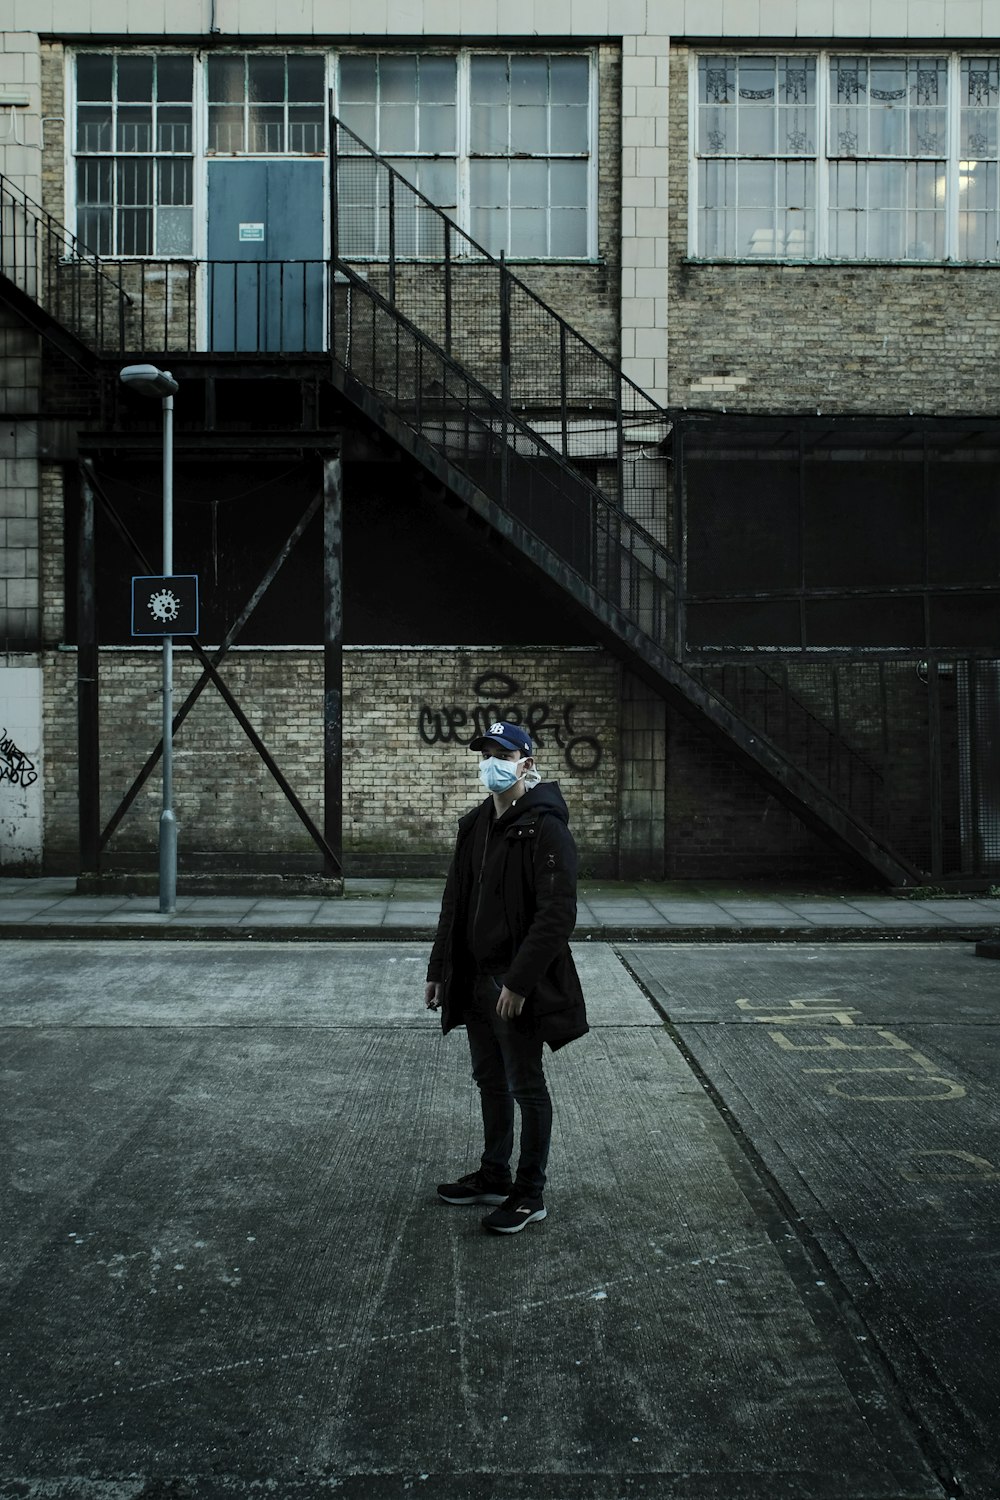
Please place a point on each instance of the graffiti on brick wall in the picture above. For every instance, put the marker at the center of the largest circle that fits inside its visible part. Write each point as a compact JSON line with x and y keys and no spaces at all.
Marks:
{"x":548,"y":724}
{"x":14,"y":764}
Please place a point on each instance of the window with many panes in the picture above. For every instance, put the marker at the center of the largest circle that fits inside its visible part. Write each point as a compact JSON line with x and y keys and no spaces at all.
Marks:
{"x":134,"y":153}
{"x":502,"y":141}
{"x":846,"y":157}
{"x":266,"y":104}
{"x":137,"y":127}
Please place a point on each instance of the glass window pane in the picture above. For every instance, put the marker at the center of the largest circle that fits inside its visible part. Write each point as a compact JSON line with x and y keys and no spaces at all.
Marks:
{"x":307,"y":129}
{"x":756,"y":130}
{"x":756,"y":184}
{"x":438,"y":80}
{"x":361,"y":119}
{"x":529,"y":182}
{"x":135,"y":127}
{"x":928,"y":132}
{"x":569,"y":80}
{"x":93,"y":228}
{"x":489,"y":128}
{"x":94,"y":76}
{"x":397,"y":128}
{"x":174,"y":79}
{"x":358,"y":79}
{"x":397,"y":78}
{"x":266,"y":80}
{"x":438,"y":180}
{"x":528,"y":129}
{"x":135,"y":231}
{"x":437,"y":127}
{"x":489,"y":183}
{"x":489,"y":228}
{"x":568,"y":232}
{"x":528,"y":231}
{"x":174,"y":231}
{"x":980,"y":97}
{"x":529,"y":80}
{"x":93,"y":182}
{"x":569,"y":128}
{"x":713,"y":125}
{"x":174,"y":182}
{"x":226,"y":79}
{"x":489,"y":80}
{"x":306,"y":80}
{"x":225,"y":127}
{"x":267,"y":128}
{"x":568,"y":183}
{"x":93,"y":128}
{"x":135,"y":181}
{"x":173,"y":128}
{"x":135,"y":78}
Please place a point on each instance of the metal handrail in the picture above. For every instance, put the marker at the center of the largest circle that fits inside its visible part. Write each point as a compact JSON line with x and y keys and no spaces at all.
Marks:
{"x":51,"y":266}
{"x":503,"y":456}
{"x":471,"y":304}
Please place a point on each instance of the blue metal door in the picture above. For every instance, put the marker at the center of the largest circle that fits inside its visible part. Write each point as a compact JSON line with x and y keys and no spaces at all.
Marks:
{"x":265,"y":250}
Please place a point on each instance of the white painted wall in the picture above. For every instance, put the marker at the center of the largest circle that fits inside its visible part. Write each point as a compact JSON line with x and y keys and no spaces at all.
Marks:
{"x":20,"y":770}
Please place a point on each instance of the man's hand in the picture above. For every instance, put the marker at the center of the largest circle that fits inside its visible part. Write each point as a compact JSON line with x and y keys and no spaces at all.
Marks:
{"x":509,"y":1005}
{"x":432,"y":995}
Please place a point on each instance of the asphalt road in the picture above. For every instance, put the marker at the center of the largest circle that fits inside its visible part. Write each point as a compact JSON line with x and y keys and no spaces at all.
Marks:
{"x":769,"y":1267}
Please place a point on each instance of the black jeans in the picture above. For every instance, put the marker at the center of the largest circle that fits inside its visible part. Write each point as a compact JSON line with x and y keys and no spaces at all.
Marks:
{"x":507,"y":1066}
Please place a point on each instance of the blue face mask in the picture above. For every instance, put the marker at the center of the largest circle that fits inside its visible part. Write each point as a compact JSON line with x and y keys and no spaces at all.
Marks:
{"x":498,"y":775}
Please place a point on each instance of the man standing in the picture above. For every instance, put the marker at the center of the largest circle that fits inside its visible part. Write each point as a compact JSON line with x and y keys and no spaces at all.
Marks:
{"x":501,"y":966}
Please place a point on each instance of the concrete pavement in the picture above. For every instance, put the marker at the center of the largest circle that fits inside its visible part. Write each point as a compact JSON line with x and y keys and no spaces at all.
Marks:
{"x":769,"y":1267}
{"x":608,"y":912}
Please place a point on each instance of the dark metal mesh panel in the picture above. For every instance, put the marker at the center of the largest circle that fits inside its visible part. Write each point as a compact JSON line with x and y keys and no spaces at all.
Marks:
{"x":842,"y":534}
{"x":979,"y":764}
{"x":911,"y":749}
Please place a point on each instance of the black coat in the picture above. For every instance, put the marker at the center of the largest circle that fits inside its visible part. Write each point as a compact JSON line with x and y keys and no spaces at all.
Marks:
{"x":538,"y":892}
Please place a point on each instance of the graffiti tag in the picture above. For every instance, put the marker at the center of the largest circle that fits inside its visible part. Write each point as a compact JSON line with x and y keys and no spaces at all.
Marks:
{"x":15,"y":766}
{"x":457,"y":724}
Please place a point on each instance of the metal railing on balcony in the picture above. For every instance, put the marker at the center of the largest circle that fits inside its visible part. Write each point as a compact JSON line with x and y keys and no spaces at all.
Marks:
{"x":58,"y":274}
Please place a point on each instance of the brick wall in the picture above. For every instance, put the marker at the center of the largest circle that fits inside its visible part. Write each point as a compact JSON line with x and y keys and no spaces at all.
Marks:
{"x":862,"y":338}
{"x":407,"y":774}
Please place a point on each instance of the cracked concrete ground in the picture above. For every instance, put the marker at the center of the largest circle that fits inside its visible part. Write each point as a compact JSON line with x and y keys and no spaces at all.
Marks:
{"x":769,"y":1266}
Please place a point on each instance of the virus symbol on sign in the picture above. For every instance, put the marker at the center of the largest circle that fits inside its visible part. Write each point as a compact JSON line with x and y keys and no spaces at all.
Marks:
{"x":164,"y":605}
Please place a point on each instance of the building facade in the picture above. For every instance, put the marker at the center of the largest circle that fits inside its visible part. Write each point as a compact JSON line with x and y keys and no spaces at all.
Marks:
{"x":623,"y":369}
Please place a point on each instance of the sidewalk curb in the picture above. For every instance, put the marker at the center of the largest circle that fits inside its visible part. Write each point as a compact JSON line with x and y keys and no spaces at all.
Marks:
{"x":194,"y":932}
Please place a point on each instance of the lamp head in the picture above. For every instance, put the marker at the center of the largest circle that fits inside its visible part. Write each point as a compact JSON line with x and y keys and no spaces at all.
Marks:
{"x":147,"y":380}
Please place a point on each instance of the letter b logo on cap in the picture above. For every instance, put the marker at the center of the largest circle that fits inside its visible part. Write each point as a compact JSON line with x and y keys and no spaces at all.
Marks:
{"x":496,"y":729}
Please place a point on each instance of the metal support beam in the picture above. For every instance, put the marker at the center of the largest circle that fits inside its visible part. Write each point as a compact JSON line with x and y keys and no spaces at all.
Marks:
{"x":88,"y":725}
{"x":333,"y":661}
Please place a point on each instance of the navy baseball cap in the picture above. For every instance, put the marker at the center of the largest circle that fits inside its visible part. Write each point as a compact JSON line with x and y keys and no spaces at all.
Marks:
{"x":510,"y":736}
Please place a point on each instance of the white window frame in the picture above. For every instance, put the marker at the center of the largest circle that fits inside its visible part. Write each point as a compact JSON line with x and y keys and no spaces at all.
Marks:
{"x":71,"y":155}
{"x":463,"y":152}
{"x":823,"y":158}
{"x":200,"y":156}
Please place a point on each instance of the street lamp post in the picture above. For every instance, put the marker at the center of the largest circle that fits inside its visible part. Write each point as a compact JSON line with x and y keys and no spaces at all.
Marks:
{"x":147,"y":380}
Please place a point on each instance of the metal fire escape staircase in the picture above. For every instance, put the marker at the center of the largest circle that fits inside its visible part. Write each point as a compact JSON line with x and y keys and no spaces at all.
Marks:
{"x":515,"y":415}
{"x":438,"y":344}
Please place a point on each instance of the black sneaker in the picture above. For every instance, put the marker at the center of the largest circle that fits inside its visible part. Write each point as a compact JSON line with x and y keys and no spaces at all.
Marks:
{"x":475,"y":1187}
{"x":514,"y":1213}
